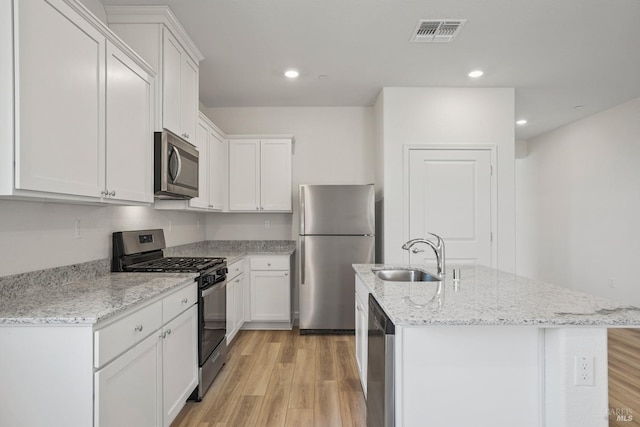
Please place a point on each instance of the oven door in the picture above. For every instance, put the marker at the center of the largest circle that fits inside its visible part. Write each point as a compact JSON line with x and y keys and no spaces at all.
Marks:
{"x":212,"y":311}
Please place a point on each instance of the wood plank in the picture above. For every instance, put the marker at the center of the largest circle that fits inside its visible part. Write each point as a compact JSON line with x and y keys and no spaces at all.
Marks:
{"x":353,"y":409}
{"x":258,"y":380}
{"x":246,"y":411}
{"x":274,"y":406}
{"x":299,"y":417}
{"x":304,"y":376}
{"x":326,"y":359}
{"x":624,"y":377}
{"x":326,"y":410}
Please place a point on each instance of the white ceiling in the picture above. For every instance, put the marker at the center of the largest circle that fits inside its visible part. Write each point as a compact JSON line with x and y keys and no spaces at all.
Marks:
{"x":557,"y":54}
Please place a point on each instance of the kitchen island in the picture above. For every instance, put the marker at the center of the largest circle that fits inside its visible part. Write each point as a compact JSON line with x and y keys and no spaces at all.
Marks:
{"x":496,"y":349}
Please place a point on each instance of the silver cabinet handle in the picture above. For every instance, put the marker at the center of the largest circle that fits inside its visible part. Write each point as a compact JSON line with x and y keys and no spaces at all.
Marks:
{"x":269,"y":264}
{"x":104,"y":193}
{"x":184,"y":301}
{"x":113,"y":193}
{"x":286,"y":274}
{"x":139,"y":328}
{"x":416,"y":250}
{"x":168,"y":331}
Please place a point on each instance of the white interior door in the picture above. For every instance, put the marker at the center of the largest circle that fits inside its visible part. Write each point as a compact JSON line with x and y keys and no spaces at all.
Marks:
{"x":450,"y":195}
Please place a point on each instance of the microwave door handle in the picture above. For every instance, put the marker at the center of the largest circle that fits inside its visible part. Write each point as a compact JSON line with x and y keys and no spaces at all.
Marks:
{"x":177,"y":154}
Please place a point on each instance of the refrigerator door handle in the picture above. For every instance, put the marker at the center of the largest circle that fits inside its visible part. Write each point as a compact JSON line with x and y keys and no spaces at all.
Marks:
{"x":302,"y":209}
{"x":302,"y":260}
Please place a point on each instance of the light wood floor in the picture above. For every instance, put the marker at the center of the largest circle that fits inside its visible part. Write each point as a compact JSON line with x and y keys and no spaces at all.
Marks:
{"x":282,"y":378}
{"x":624,"y":377}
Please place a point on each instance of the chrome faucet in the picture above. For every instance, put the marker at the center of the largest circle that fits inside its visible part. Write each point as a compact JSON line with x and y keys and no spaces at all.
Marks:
{"x":438,"y":248}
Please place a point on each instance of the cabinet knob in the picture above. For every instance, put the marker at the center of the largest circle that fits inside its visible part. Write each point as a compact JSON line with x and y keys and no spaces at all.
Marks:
{"x":113,"y":193}
{"x":139,"y":328}
{"x":168,"y":331}
{"x":269,"y":264}
{"x":184,"y":301}
{"x":104,"y":193}
{"x":286,"y":274}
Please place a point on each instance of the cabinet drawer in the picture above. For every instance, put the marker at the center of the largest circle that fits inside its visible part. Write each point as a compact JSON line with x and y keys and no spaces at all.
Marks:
{"x":270,"y":263}
{"x":116,"y":338}
{"x":235,"y":269}
{"x":178,"y":302}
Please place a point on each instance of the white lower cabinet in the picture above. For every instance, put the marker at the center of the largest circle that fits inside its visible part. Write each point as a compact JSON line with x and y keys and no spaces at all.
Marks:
{"x":270,"y":291}
{"x":127,"y":391}
{"x":179,"y":362}
{"x":362,"y":331}
{"x":150,"y":382}
{"x":235,"y":299}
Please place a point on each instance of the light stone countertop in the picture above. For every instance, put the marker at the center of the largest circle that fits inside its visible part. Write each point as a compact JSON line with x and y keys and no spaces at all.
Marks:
{"x":484,"y":296}
{"x":86,"y":301}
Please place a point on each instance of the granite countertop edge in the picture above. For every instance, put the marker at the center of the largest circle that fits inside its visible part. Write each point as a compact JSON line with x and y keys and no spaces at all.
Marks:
{"x":489,"y":297}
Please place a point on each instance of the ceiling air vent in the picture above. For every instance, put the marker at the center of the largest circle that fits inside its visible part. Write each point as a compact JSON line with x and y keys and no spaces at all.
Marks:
{"x":441,"y":30}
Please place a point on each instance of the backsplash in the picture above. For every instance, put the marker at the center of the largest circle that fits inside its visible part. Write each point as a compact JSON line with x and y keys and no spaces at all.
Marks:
{"x":232,"y":246}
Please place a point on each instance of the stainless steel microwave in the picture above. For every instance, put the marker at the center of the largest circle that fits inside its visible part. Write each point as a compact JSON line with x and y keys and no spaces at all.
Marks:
{"x":175,"y":167}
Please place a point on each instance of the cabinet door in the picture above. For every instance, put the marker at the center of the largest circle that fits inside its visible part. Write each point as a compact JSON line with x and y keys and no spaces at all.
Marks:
{"x":275,"y":175}
{"x":244,"y":175}
{"x":128,"y":390}
{"x":179,"y":362}
{"x":238,"y":307}
{"x":129,"y":129}
{"x":171,"y":83}
{"x":231,"y":294}
{"x":60,"y":109}
{"x":202,"y":143}
{"x":189,"y":98}
{"x":270,"y":296}
{"x":362,"y":319}
{"x":217,"y":162}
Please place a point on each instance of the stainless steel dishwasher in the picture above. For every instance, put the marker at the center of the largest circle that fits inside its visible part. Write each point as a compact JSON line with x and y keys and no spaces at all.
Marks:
{"x":380,"y":361}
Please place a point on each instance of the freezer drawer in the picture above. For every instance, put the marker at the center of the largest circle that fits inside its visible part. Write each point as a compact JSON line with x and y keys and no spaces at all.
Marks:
{"x":327,"y":279}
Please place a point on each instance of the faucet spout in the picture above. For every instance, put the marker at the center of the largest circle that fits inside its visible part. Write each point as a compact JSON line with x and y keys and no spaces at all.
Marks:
{"x":437,"y":247}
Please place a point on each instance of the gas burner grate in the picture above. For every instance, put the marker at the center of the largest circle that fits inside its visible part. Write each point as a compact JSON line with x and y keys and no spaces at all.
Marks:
{"x":170,"y":264}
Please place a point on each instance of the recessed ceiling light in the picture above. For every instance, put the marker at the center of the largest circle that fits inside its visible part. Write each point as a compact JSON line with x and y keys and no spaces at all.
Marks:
{"x":292,"y":74}
{"x":476,"y":73}
{"x":521,"y":122}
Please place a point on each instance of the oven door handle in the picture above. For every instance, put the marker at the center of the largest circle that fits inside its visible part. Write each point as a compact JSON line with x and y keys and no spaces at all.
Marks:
{"x":211,"y":289}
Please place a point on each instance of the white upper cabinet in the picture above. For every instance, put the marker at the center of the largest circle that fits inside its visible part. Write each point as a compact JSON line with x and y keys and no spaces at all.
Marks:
{"x":260,"y":175}
{"x":129,"y":129}
{"x":79,"y":97}
{"x":160,"y":39}
{"x":60,"y":98}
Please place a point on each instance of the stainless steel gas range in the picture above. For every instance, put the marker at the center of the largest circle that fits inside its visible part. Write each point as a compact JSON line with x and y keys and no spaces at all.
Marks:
{"x":142,"y":251}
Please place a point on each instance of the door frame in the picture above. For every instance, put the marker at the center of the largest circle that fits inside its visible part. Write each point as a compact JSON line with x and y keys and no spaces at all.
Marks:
{"x":493,"y":151}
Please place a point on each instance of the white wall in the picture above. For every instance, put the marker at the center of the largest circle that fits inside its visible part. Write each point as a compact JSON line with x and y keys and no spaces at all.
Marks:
{"x":333,"y":145}
{"x":448,"y":116}
{"x":38,"y":235}
{"x":578,"y":215}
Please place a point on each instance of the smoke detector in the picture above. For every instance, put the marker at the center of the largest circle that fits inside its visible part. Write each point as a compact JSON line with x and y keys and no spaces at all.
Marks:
{"x":437,"y":30}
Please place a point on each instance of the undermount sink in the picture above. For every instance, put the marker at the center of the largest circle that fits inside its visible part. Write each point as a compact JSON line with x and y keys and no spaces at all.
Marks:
{"x":406,"y":275}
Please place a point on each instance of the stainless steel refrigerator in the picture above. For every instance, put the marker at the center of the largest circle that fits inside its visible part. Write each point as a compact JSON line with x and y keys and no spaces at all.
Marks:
{"x":337,"y":229}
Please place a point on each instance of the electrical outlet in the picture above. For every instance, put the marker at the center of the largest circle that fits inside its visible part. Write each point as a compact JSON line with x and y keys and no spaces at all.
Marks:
{"x":77,"y":234}
{"x":198,"y":224}
{"x":267,"y":225}
{"x":584,"y":370}
{"x":170,"y":225}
